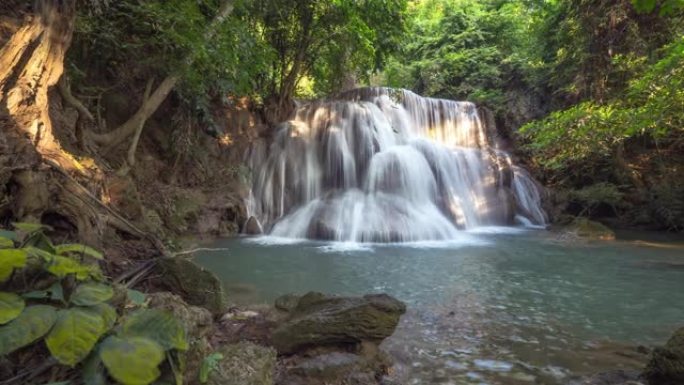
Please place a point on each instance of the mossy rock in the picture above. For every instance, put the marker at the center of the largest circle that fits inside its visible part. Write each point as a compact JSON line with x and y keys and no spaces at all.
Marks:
{"x":198,"y":286}
{"x":588,"y":229}
{"x":666,"y":366}
{"x":319,"y":320}
{"x":244,"y":363}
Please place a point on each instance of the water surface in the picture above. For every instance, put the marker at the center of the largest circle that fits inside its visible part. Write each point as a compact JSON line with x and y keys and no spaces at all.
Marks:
{"x":495,"y":306}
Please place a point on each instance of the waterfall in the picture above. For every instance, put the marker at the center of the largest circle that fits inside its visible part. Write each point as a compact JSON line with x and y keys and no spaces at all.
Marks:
{"x":385,"y":165}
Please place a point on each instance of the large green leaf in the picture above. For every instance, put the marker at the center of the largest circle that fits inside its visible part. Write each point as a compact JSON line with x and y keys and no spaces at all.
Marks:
{"x":107,"y":312}
{"x":158,"y":325}
{"x":11,"y":305}
{"x":11,"y":259}
{"x":41,"y":241}
{"x":30,"y":227}
{"x":78,"y":248}
{"x":132,"y":360}
{"x":33,"y":251}
{"x":32,"y":324}
{"x":63,"y":266}
{"x":76,"y":332}
{"x":6,"y":243}
{"x":54,"y":293}
{"x":91,"y":293}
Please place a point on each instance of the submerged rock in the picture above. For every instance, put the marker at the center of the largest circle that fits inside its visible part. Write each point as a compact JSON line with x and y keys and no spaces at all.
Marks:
{"x":198,"y":286}
{"x":287,"y":302}
{"x":320,"y":320}
{"x":587,"y":229}
{"x":244,"y":363}
{"x":666,"y":366}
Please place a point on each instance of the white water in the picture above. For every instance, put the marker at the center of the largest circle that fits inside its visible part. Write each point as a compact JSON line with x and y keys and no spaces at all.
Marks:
{"x":383,"y":165}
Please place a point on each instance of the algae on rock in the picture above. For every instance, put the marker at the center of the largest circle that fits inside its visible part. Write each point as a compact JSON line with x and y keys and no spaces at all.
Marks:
{"x":319,"y":320}
{"x":666,"y":366}
{"x":198,"y":286}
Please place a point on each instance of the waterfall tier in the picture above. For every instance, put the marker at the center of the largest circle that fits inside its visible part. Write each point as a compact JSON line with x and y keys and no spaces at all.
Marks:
{"x":385,"y":165}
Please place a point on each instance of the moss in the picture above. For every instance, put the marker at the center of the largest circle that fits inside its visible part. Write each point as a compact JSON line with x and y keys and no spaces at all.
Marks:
{"x":199,"y":287}
{"x":329,"y":321}
{"x":666,"y":366}
{"x":585,"y":228}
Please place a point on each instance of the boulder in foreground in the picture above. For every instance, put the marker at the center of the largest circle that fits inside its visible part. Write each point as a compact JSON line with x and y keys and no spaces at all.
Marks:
{"x":320,"y":320}
{"x":198,"y":286}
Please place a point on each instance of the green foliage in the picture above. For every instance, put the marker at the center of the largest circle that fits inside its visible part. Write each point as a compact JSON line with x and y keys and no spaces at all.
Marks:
{"x":11,"y":259}
{"x":665,"y":7}
{"x":139,"y":40}
{"x":32,"y":324}
{"x":653,"y":106}
{"x":156,"y":325}
{"x":592,"y":196}
{"x":330,"y":43}
{"x":75,"y":334}
{"x":210,"y":363}
{"x":64,"y":266}
{"x":6,"y":243}
{"x":132,"y":361}
{"x":469,"y":50}
{"x":88,"y":294}
{"x":74,"y":318}
{"x":11,"y":305}
{"x":78,"y":249}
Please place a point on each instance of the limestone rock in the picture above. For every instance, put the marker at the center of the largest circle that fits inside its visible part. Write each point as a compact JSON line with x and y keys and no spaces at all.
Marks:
{"x":198,"y":286}
{"x":666,"y":366}
{"x":319,"y":320}
{"x":244,"y":363}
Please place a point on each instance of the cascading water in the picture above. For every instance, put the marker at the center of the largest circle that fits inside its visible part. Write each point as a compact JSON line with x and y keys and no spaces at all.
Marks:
{"x":385,"y":165}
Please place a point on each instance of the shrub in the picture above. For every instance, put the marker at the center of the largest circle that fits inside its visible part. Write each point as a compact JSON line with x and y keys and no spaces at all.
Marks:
{"x":72,"y":314}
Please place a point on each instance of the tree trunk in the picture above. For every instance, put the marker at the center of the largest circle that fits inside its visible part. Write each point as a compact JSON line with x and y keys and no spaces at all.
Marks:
{"x":130,"y":158}
{"x":147,"y":108}
{"x":30,"y":63}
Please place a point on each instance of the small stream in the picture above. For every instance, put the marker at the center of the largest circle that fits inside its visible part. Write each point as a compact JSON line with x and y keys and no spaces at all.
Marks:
{"x":493,"y":306}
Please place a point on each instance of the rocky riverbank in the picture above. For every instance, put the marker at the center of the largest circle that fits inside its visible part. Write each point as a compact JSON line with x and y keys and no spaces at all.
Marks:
{"x":301,"y":340}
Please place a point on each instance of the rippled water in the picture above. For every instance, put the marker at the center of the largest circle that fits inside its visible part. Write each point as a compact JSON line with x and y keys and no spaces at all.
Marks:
{"x":493,"y":307}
